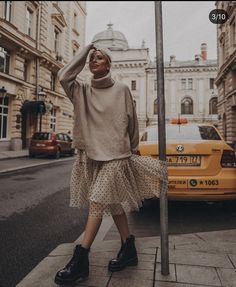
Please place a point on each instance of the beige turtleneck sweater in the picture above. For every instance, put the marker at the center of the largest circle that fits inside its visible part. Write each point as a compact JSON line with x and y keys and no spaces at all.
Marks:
{"x":105,"y":120}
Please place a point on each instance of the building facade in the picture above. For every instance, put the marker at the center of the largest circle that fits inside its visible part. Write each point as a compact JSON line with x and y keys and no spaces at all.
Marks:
{"x":36,"y":39}
{"x":189,"y":85}
{"x":189,"y":89}
{"x":226,"y":77}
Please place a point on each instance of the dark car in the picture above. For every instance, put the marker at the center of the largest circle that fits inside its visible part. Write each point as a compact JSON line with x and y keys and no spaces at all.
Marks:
{"x":51,"y":144}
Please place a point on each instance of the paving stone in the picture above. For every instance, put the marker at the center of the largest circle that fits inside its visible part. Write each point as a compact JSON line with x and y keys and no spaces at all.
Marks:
{"x":216,"y":236}
{"x":146,"y":257}
{"x":175,"y":284}
{"x":197,"y":275}
{"x":170,"y":277}
{"x":132,"y":273}
{"x":214,"y":247}
{"x":151,"y":250}
{"x":144,"y":265}
{"x":94,"y":281}
{"x":101,"y":258}
{"x":227,"y":277}
{"x":233,"y":259}
{"x":184,"y":239}
{"x":129,"y":282}
{"x":197,"y":258}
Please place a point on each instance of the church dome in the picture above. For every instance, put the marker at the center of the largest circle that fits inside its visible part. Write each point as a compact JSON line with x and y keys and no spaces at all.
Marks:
{"x":111,"y":39}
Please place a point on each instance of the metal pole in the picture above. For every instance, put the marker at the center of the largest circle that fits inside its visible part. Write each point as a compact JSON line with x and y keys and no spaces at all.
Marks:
{"x":40,"y":119}
{"x":162,"y":137}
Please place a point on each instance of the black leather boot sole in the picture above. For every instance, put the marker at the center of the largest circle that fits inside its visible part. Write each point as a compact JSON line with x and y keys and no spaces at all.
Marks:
{"x":130,"y":262}
{"x":80,"y":277}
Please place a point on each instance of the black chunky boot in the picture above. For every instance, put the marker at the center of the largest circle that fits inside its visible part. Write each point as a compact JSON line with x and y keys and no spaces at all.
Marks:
{"x":127,"y":256}
{"x":76,"y":269}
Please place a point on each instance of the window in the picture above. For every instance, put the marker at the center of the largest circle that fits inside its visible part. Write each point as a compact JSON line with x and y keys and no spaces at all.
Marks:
{"x":53,"y":120}
{"x":155,"y":85}
{"x":3,"y":117}
{"x":183,"y":132}
{"x":187,"y":106}
{"x":56,"y":40}
{"x":212,"y":81}
{"x":8,"y":10}
{"x":4,"y":60}
{"x":53,"y":82}
{"x":29,"y":22}
{"x":183,"y":84}
{"x":213,"y":106}
{"x":133,"y":85}
{"x":155,"y":112}
{"x":190,"y":84}
{"x":187,"y":84}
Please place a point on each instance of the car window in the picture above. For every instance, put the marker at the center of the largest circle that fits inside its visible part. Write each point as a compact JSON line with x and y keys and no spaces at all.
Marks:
{"x":60,"y":137}
{"x":42,"y":136}
{"x":66,"y":138}
{"x":183,"y":132}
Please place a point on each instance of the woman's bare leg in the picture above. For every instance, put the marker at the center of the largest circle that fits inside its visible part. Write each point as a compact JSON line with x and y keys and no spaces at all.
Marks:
{"x":91,"y":231}
{"x":93,"y":224}
{"x":121,"y":223}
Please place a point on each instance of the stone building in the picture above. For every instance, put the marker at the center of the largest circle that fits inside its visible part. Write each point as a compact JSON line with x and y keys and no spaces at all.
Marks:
{"x":189,"y":89}
{"x":36,"y":39}
{"x":226,"y":77}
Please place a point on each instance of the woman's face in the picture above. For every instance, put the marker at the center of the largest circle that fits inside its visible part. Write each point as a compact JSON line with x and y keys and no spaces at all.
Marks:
{"x":98,"y":64}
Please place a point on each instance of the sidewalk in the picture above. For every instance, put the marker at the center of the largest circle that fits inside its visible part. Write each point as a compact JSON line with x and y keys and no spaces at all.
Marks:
{"x":13,"y":154}
{"x":196,"y":260}
{"x":18,"y":160}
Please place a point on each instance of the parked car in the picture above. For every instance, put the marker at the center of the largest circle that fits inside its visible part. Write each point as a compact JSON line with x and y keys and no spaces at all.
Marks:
{"x":201,"y":165}
{"x":50,"y":144}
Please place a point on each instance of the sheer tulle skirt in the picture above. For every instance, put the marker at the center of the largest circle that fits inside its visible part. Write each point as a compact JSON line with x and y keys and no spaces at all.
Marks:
{"x":112,"y":187}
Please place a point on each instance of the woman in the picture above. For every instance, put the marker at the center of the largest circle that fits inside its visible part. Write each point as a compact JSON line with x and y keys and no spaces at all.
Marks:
{"x":107,"y":177}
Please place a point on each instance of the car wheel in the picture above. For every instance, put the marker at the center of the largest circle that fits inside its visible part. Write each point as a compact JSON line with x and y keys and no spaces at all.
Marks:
{"x":57,"y":154}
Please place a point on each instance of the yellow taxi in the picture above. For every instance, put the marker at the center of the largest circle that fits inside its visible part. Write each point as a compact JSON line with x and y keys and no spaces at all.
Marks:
{"x":201,"y":165}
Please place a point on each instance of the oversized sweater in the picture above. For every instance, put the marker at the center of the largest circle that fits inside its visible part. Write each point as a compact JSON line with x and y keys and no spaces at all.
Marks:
{"x":105,"y":120}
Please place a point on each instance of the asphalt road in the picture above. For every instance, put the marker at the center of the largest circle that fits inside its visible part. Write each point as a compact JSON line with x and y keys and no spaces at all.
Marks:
{"x":35,"y":218}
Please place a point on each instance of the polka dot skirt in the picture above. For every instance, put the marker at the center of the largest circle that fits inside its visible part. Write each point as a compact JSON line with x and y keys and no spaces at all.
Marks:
{"x":112,"y":187}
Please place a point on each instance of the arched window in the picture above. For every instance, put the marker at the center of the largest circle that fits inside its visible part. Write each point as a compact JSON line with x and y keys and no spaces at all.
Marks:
{"x":155,"y":107}
{"x":187,"y":106}
{"x":213,"y":106}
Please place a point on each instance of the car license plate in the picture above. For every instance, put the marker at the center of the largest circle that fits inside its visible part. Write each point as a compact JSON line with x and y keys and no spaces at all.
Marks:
{"x":184,"y":160}
{"x":40,"y":145}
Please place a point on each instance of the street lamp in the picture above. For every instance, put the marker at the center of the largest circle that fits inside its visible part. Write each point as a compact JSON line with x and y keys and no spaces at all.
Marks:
{"x":41,"y":98}
{"x":3,"y":92}
{"x":42,"y":95}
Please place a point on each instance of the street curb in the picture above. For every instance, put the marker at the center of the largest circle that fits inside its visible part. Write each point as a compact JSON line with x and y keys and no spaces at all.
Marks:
{"x":34,"y":165}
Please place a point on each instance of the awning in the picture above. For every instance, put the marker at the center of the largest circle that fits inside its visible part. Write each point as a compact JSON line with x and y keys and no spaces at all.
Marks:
{"x":33,"y":107}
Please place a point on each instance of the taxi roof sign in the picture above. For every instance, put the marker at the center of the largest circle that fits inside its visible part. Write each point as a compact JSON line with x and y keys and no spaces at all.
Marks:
{"x":179,"y":121}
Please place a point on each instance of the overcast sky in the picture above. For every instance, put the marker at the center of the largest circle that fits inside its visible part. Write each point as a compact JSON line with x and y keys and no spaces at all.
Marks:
{"x":185,"y":25}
